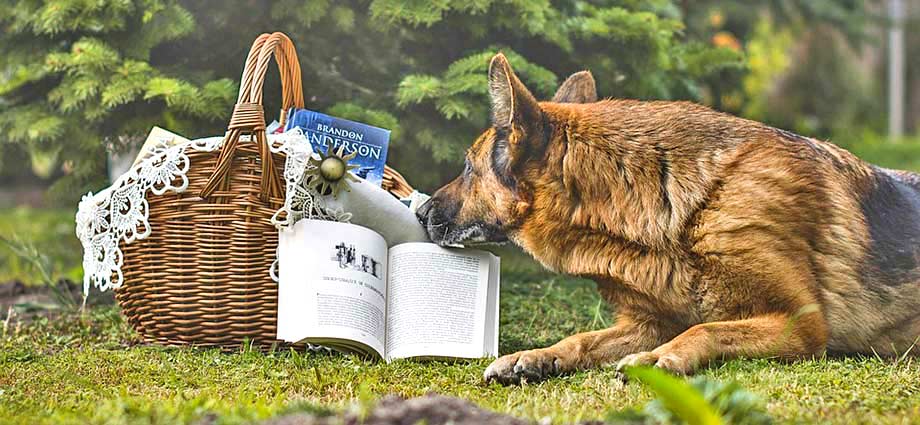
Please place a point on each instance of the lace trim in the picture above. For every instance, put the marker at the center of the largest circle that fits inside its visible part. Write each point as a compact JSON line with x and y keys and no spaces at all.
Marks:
{"x":120,"y":212}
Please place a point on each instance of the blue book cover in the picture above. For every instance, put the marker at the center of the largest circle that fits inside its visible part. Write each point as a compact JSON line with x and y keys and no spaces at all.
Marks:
{"x":368,"y":141}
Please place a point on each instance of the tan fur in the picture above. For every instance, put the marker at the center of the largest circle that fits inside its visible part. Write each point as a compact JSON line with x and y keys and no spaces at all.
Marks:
{"x":715,"y":236}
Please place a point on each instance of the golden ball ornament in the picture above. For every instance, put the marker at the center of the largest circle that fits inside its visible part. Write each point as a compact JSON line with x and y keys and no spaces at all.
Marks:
{"x":332,"y":168}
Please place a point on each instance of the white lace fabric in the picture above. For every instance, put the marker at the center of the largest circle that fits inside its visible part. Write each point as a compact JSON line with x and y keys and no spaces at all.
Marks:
{"x":120,"y":212}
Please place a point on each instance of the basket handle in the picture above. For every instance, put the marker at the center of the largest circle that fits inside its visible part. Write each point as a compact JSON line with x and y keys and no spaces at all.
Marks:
{"x":395,"y":183}
{"x":248,"y":117}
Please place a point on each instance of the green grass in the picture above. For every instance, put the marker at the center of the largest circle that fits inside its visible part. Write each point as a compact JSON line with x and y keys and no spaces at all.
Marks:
{"x":51,"y":230}
{"x":903,"y":154}
{"x":91,"y":369}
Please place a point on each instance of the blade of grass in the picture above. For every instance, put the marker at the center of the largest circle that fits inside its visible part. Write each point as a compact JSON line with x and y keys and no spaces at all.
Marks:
{"x":42,"y":265}
{"x":677,"y":395}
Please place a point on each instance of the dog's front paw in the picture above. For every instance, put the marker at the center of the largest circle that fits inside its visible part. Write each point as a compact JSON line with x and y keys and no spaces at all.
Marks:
{"x":525,"y":366}
{"x":670,"y":362}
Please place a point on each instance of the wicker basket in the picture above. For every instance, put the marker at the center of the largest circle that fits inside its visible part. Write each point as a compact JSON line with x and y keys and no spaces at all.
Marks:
{"x":201,"y":278}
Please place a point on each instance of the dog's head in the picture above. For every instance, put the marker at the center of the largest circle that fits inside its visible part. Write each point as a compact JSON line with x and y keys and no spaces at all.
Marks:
{"x":489,"y":200}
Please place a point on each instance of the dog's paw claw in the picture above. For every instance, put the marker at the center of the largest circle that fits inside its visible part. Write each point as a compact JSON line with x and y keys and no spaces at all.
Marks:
{"x":674,"y":364}
{"x":669,"y":362}
{"x":644,"y":358}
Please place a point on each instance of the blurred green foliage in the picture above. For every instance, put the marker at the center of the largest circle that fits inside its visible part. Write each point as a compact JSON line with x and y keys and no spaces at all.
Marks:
{"x":697,"y":401}
{"x":903,"y":154}
{"x":76,"y":76}
{"x":419,"y":68}
{"x":804,"y":69}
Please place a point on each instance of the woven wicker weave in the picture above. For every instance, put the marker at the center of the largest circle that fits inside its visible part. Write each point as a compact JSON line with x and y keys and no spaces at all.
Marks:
{"x":201,"y":277}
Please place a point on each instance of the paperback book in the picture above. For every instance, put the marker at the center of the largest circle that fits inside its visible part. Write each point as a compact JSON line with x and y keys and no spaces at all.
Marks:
{"x":369,"y":142}
{"x":342,"y":286}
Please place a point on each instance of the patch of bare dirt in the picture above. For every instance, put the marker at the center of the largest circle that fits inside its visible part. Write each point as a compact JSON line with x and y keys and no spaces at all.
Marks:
{"x":30,"y":301}
{"x":431,"y":409}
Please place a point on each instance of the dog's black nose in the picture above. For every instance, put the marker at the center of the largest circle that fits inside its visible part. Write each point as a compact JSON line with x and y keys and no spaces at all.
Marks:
{"x":424,"y":211}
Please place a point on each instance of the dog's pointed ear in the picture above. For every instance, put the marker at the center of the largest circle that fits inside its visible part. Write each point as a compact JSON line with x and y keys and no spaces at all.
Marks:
{"x":512,"y":103}
{"x":578,"y":88}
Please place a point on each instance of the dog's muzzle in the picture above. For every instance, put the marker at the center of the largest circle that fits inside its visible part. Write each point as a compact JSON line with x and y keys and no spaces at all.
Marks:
{"x":442,"y":229}
{"x":434,"y":220}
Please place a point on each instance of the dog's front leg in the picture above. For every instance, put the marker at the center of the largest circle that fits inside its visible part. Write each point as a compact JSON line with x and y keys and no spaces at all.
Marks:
{"x":581,"y":351}
{"x":773,"y":335}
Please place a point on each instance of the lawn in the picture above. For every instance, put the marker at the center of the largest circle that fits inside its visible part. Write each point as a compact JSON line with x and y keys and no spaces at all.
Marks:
{"x":90,"y":368}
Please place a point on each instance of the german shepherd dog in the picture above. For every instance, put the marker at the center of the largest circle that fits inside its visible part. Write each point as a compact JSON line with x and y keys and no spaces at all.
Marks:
{"x":716,"y":237}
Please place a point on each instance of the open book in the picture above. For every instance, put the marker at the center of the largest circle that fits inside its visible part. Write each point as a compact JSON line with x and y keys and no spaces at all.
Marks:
{"x":341,"y":286}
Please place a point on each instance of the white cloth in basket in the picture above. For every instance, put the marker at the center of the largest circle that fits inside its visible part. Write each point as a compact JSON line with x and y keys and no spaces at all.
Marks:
{"x":120,"y":212}
{"x":374,"y":208}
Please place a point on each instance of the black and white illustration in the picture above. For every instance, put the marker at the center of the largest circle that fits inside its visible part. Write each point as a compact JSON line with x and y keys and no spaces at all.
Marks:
{"x":346,"y":256}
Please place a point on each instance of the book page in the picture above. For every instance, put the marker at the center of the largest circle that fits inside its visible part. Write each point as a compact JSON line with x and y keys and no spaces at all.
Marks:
{"x":332,"y":284}
{"x":438,"y":300}
{"x":490,"y":341}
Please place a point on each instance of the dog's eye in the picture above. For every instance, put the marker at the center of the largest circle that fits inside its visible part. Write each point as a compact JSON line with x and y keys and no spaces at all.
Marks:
{"x":467,"y":168}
